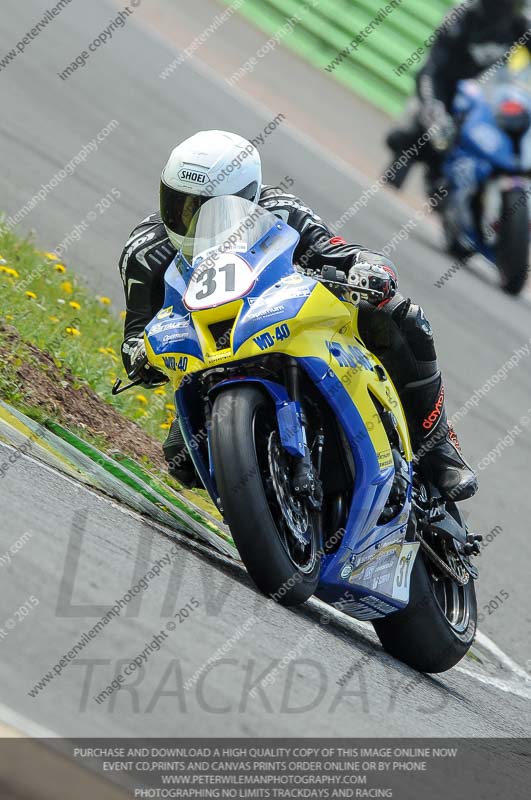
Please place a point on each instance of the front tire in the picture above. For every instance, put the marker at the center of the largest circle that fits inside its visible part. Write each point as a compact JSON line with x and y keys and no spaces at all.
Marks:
{"x":268,"y":525}
{"x":513,"y":244}
{"x":432,"y":634}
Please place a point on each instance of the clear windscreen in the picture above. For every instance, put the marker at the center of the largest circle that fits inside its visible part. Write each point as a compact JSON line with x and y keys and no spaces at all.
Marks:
{"x":225,"y":224}
{"x":507,"y":79}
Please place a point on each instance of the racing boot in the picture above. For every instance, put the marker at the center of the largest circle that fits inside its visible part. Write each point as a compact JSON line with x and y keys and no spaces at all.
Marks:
{"x":180,"y":464}
{"x":435,"y":442}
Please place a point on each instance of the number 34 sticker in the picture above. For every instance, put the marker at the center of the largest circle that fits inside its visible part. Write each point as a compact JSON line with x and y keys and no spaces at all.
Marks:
{"x":220,"y":279}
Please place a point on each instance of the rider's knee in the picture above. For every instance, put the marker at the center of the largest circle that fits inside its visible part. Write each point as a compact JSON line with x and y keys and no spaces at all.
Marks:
{"x":418,"y":333}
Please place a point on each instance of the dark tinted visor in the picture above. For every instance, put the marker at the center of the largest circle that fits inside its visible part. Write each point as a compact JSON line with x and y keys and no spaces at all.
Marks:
{"x":178,"y":209}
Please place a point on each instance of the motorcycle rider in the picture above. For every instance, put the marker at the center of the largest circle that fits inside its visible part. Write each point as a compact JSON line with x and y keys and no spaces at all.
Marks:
{"x":217,"y":163}
{"x":475,"y":36}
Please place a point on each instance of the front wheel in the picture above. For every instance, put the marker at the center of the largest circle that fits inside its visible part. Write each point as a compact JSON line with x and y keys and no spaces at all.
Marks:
{"x":512,"y":252}
{"x":277,"y":536}
{"x":437,"y":628}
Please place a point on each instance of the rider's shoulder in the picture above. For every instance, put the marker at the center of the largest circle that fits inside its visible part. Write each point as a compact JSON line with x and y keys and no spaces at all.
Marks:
{"x":147,"y":242}
{"x":274,"y":195}
{"x":150,"y":224}
{"x":276,"y":198}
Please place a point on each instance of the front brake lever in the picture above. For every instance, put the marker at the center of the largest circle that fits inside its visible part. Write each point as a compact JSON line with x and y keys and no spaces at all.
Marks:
{"x":135,"y":382}
{"x":117,"y":390}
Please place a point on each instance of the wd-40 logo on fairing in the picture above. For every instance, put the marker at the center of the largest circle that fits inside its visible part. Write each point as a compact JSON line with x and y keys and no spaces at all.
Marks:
{"x":192,"y":176}
{"x":266,"y":340}
{"x":349,"y":357}
{"x":170,"y":362}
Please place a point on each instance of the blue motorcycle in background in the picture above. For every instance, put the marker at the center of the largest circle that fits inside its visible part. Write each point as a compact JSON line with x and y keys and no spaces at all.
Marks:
{"x":486,"y":172}
{"x":487,"y":175}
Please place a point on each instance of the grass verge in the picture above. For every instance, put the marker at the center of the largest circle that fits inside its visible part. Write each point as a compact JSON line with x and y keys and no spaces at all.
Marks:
{"x":60,"y":355}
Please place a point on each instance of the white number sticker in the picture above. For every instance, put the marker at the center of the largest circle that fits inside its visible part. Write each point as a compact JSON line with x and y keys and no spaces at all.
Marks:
{"x":220,"y":279}
{"x":404,"y":568}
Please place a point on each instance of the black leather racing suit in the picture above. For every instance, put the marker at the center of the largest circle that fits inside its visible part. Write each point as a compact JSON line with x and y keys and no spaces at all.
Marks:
{"x":468,"y":42}
{"x":396,"y":331}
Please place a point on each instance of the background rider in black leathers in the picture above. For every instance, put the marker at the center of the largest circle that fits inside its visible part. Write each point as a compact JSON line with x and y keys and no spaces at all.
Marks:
{"x":396,"y":330}
{"x":474,"y":37}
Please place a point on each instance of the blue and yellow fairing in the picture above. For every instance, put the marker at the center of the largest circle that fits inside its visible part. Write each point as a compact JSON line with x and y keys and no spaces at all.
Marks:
{"x":292,"y":314}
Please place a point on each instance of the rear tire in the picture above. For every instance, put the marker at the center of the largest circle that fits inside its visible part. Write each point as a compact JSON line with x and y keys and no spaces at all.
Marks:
{"x":512,"y":253}
{"x":422,"y":635}
{"x":244,"y":419}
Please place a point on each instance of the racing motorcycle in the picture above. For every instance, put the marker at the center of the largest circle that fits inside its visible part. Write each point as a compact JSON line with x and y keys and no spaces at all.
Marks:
{"x":487,"y":173}
{"x":300,"y":439}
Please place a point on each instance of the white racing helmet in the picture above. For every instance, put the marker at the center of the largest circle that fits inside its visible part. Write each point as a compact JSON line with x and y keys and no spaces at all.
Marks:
{"x":208,"y":164}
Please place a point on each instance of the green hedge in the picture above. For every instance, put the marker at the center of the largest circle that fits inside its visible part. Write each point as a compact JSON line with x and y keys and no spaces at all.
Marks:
{"x":319,"y":30}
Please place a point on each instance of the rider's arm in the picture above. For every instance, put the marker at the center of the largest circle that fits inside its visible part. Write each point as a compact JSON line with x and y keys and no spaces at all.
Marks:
{"x":318,"y":247}
{"x":143,"y":262}
{"x":438,"y":78}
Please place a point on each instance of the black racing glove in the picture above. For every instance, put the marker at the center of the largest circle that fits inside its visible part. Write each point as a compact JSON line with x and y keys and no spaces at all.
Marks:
{"x":439,"y":123}
{"x":136,"y":363}
{"x":372,"y":277}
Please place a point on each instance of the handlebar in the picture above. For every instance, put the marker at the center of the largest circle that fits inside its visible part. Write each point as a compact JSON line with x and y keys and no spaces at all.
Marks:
{"x":334,"y":279}
{"x":142,"y":363}
{"x":337,"y":282}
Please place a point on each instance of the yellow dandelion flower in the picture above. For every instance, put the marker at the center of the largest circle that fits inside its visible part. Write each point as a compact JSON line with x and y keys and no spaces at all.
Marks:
{"x":170,"y":406}
{"x":105,"y":301}
{"x":31,"y":295}
{"x":10,"y":317}
{"x":67,"y":287}
{"x":53,"y":319}
{"x":73,"y":331}
{"x":110,"y":350}
{"x":51,"y":256}
{"x":165,"y":426}
{"x":12,"y":273}
{"x":160,"y":391}
{"x":122,"y":314}
{"x":141,"y":399}
{"x":107,"y":351}
{"x":74,"y":304}
{"x":59,"y":268}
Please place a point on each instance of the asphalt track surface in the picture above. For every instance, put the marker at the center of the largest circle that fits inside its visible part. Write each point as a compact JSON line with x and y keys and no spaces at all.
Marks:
{"x":85,"y":550}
